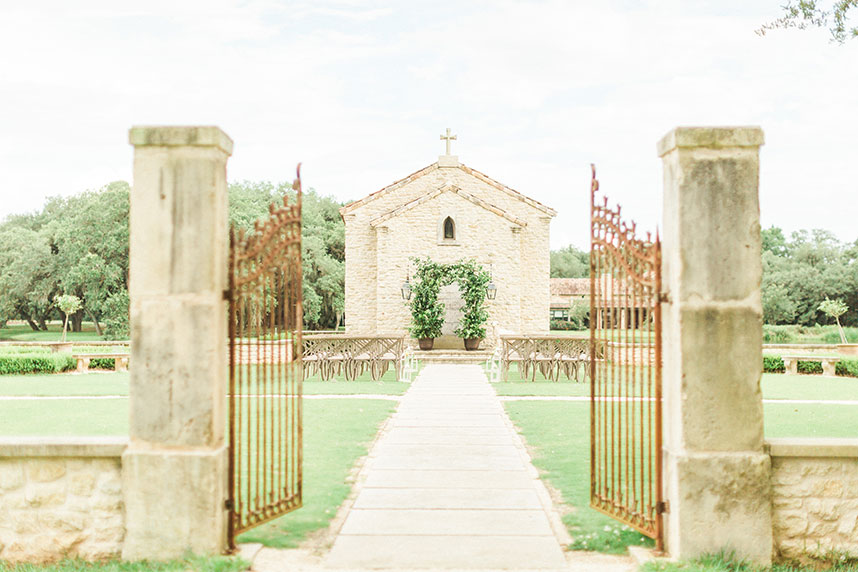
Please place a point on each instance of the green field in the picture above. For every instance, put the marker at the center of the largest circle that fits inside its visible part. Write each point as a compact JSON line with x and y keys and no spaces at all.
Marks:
{"x":558,"y":435}
{"x":24,"y":333}
{"x":774,"y":386}
{"x":336,"y":433}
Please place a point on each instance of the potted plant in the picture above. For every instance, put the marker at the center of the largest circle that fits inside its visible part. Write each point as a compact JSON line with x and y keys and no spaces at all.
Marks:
{"x":427,"y":313}
{"x":473,"y":281}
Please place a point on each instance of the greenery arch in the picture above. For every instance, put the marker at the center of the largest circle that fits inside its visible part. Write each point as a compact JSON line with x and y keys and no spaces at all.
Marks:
{"x":427,"y":313}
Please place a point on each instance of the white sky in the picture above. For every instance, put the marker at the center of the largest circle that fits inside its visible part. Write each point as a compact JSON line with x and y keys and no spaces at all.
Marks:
{"x":361,"y":90}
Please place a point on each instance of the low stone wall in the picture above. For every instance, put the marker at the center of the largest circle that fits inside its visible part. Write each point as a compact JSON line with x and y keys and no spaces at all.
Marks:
{"x":61,"y":498}
{"x":815,"y":496}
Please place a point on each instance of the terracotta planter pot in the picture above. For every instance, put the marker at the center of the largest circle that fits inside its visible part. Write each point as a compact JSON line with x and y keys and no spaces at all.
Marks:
{"x":426,"y":344}
{"x":472,"y":344}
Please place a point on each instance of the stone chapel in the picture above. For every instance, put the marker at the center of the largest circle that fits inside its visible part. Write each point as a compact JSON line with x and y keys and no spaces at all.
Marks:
{"x":448,"y":212}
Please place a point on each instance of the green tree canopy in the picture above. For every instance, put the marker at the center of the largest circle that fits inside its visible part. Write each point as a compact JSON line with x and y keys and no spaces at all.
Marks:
{"x":803,"y":14}
{"x":569,"y":262}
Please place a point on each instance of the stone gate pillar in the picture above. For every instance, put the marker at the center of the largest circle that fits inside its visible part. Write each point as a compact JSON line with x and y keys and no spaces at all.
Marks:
{"x":175,"y":468}
{"x":716,"y":473}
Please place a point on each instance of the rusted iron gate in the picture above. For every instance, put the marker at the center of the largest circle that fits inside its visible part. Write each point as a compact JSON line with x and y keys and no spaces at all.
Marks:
{"x":625,"y":383}
{"x":265,"y":373}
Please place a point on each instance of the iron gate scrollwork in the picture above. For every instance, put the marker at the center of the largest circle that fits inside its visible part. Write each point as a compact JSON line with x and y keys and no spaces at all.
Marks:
{"x":625,"y":383}
{"x":265,"y":371}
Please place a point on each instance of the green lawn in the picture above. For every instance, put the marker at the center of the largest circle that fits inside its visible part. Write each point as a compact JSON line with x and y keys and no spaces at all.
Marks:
{"x":336,"y":433}
{"x":192,"y":563}
{"x":93,"y":383}
{"x":810,"y":420}
{"x":558,"y":434}
{"x":721,"y":563}
{"x":774,"y":386}
{"x":64,"y":417}
{"x":116,"y":383}
{"x":23,"y":333}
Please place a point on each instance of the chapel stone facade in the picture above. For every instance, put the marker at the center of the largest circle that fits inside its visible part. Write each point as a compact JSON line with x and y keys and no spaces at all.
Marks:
{"x":448,"y":212}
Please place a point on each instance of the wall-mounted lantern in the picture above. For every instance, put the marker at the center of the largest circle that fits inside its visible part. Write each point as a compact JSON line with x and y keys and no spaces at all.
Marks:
{"x":405,"y":289}
{"x":491,"y":289}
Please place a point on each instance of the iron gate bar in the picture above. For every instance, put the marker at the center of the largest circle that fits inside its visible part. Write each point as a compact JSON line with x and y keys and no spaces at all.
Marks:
{"x":265,"y":368}
{"x":625,"y":383}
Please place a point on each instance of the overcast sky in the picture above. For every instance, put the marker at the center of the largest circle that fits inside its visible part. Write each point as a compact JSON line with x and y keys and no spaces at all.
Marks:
{"x":361,"y":90}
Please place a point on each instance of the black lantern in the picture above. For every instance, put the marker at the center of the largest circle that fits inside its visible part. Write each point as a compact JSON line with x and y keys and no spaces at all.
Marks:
{"x":405,"y":289}
{"x":491,"y":291}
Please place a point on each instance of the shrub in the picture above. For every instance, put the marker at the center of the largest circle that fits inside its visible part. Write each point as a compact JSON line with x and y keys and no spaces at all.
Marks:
{"x":102,"y":363}
{"x":780,"y":334}
{"x":562,"y":325}
{"x":809,"y":367}
{"x":35,"y":363}
{"x":833,"y":337}
{"x":847,"y":367}
{"x":773,"y":364}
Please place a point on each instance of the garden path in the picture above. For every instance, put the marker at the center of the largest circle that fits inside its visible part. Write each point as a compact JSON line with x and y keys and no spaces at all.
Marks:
{"x":450,"y":485}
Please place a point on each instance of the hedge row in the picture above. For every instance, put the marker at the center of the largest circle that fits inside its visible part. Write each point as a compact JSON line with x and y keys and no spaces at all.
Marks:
{"x":845,"y":367}
{"x":35,"y":363}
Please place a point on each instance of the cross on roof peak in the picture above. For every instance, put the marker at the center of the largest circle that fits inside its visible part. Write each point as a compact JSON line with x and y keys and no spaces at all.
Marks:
{"x":448,"y":138}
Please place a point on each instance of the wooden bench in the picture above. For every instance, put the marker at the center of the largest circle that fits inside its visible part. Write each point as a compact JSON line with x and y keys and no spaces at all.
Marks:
{"x":829,"y":364}
{"x":120,"y":361}
{"x":338,"y":354}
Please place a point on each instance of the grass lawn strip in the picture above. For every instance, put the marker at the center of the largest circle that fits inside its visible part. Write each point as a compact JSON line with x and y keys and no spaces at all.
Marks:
{"x":557,"y":433}
{"x":116,"y":383}
{"x":773,"y":385}
{"x":193,"y":563}
{"x":336,"y":434}
{"x":24,"y":333}
{"x":835,"y":562}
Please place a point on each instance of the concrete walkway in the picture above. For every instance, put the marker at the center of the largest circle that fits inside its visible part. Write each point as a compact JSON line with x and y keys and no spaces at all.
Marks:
{"x":449,"y":486}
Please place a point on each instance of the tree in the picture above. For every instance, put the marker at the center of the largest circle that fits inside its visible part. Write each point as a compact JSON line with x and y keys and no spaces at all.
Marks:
{"x":323,"y":244}
{"x":802,"y":14}
{"x":835,"y":309}
{"x":69,"y":305}
{"x":570,"y":262}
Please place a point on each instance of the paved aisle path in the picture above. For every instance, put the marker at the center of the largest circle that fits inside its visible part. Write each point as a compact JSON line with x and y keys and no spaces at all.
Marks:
{"x":449,"y":486}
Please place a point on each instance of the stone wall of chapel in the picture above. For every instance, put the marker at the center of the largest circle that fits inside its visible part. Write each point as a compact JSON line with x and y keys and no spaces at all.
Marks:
{"x":480,"y":234}
{"x":377,"y":258}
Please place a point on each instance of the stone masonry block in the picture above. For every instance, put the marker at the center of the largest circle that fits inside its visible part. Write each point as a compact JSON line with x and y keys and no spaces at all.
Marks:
{"x":11,"y":475}
{"x":711,"y":212}
{"x":178,"y":383}
{"x":45,"y":471}
{"x":176,"y":246}
{"x":45,"y":494}
{"x":722,"y":403}
{"x":174,"y":502}
{"x":724,"y":502}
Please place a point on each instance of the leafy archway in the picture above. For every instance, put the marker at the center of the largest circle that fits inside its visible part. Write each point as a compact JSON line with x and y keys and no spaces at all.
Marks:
{"x":427,"y":312}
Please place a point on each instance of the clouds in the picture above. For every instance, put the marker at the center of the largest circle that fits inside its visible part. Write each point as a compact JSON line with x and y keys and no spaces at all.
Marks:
{"x":359,"y":91}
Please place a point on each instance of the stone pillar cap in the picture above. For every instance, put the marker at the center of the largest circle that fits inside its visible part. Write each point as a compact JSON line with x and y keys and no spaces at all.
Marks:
{"x":180,"y":136}
{"x":710,"y":137}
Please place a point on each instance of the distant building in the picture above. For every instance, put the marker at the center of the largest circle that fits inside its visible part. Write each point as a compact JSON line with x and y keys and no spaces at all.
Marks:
{"x":565,"y":291}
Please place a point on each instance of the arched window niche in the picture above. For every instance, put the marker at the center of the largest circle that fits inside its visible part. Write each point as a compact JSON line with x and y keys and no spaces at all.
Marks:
{"x":447,"y":231}
{"x":449,"y":228}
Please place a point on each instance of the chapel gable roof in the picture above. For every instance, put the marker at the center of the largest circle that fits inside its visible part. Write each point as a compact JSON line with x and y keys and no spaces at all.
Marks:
{"x":426,"y":170}
{"x":447,"y":189}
